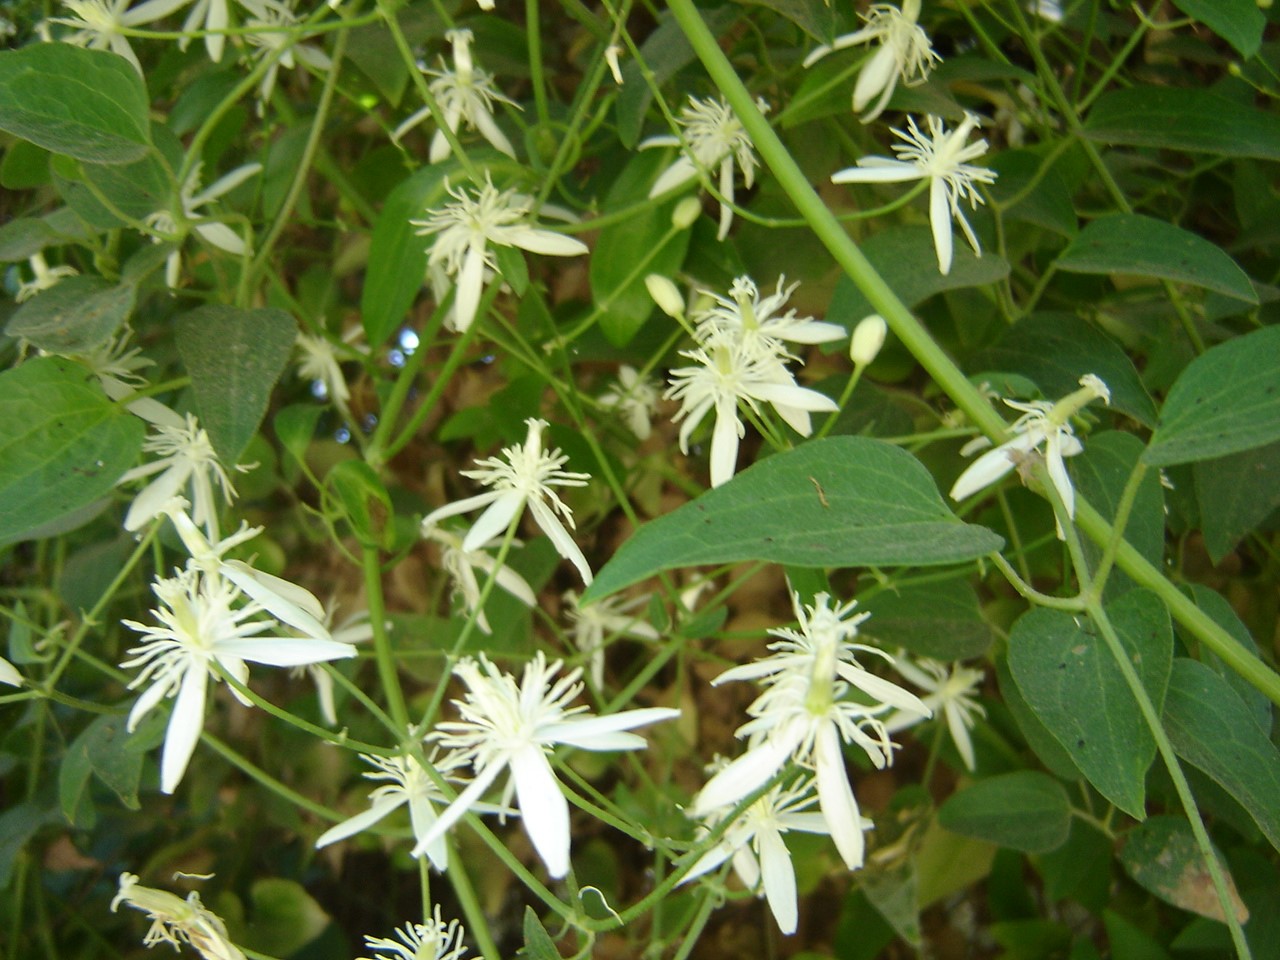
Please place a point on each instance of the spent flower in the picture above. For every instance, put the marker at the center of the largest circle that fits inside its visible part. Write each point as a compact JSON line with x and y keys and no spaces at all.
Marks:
{"x":176,"y":921}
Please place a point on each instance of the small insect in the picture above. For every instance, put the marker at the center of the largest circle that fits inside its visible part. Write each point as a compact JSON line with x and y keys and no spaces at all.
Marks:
{"x":822,"y":497}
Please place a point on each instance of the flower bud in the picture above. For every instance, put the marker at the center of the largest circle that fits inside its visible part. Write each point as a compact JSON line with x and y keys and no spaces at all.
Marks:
{"x":665,"y":295}
{"x":686,"y":211}
{"x":868,"y":338}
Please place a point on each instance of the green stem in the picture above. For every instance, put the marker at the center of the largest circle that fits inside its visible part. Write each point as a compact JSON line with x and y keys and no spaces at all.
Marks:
{"x":477,"y":922}
{"x":385,"y":656}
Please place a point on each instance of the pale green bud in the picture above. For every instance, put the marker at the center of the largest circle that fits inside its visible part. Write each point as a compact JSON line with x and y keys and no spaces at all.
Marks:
{"x":686,"y":211}
{"x":868,"y":338}
{"x":666,"y":295}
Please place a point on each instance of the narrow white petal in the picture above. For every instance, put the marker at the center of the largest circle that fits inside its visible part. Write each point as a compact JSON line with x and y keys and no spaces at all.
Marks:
{"x":145,"y":703}
{"x":749,"y":772}
{"x":983,"y":472}
{"x":681,"y":172}
{"x":960,"y":735}
{"x":886,"y":171}
{"x":836,"y":799}
{"x":151,"y":501}
{"x":9,"y":673}
{"x":469,"y":288}
{"x":724,"y":444}
{"x":940,"y":222}
{"x":709,"y":861}
{"x":458,"y":507}
{"x":454,"y":812}
{"x":185,"y":724}
{"x":779,"y":879}
{"x":226,"y":183}
{"x":1058,"y":474}
{"x":222,"y":237}
{"x":285,"y":651}
{"x":886,"y":691}
{"x":564,"y":543}
{"x":877,"y":73}
{"x":361,"y":821}
{"x":543,"y":808}
{"x":495,"y":520}
{"x":546,"y":242}
{"x":260,"y":587}
{"x":597,"y":733}
{"x":489,"y":130}
{"x":423,"y":816}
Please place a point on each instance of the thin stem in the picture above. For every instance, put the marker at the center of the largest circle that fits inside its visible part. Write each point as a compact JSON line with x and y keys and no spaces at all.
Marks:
{"x":383,"y":653}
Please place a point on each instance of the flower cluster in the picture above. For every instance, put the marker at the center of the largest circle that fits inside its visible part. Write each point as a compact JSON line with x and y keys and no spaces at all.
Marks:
{"x":742,"y":357}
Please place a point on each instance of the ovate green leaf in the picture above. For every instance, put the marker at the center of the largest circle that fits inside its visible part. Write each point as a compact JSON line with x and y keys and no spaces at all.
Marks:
{"x":1025,"y":810}
{"x":285,"y":917}
{"x":74,"y":316}
{"x":63,"y":444}
{"x":1239,"y":22}
{"x":1225,"y":401}
{"x":1183,"y":118}
{"x":538,"y":944}
{"x":1235,"y":493}
{"x":1211,"y":728}
{"x":1163,"y":857}
{"x":87,"y":104}
{"x":1129,"y":243}
{"x":837,"y":502}
{"x":234,"y":358}
{"x":1070,"y":680}
{"x":938,"y":620}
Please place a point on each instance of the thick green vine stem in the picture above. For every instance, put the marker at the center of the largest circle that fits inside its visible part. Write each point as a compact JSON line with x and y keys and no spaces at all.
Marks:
{"x":926,"y":351}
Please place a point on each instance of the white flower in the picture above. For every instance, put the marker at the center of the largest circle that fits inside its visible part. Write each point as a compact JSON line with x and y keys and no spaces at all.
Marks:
{"x":319,"y":362}
{"x":1042,"y":424}
{"x":729,"y":371}
{"x":905,"y":53}
{"x":759,"y":854}
{"x":712,"y":139}
{"x":802,"y":716}
{"x":952,"y":690}
{"x":172,"y":226}
{"x":176,"y":921}
{"x":433,"y":940}
{"x":464,"y":230}
{"x":200,"y":628}
{"x":404,"y":781}
{"x":185,"y":454}
{"x":116,"y":366}
{"x":213,"y":18}
{"x":274,"y":36}
{"x":465,"y":94}
{"x":461,"y":565}
{"x":513,"y":726}
{"x":100,"y":24}
{"x":9,"y":674}
{"x":745,"y":316}
{"x":633,"y":396}
{"x":610,"y":617}
{"x":523,"y":479}
{"x":941,"y":158}
{"x":44,"y":277}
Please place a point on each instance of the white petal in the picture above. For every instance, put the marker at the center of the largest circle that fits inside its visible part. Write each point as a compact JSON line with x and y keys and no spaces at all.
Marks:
{"x":454,"y":812}
{"x":1058,"y":474}
{"x":222,"y":237}
{"x":709,"y":861}
{"x":495,"y":520}
{"x":779,"y":879}
{"x":749,"y":772}
{"x":681,"y":172}
{"x":151,"y":501}
{"x":564,"y":543}
{"x":469,"y":287}
{"x":489,"y":130}
{"x":543,"y":808}
{"x":361,"y":821}
{"x":877,"y":73}
{"x":226,"y":183}
{"x":423,"y":816}
{"x":9,"y":673}
{"x":940,"y":222}
{"x":599,"y":733}
{"x":724,"y":444}
{"x":886,"y":691}
{"x":546,"y":242}
{"x":960,"y":734}
{"x":457,"y":507}
{"x":836,"y":799}
{"x":145,"y":703}
{"x":983,"y":472}
{"x":284,"y":651}
{"x":885,"y":171}
{"x":185,"y":724}
{"x":280,"y":603}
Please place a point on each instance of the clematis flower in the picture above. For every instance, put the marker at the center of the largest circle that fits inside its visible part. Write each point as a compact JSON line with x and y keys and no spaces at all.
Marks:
{"x":176,"y":921}
{"x":1042,"y":424}
{"x":726,"y":372}
{"x":172,"y":226}
{"x":186,"y":455}
{"x":44,"y":277}
{"x":711,"y":139}
{"x":952,"y":690}
{"x":320,"y":362}
{"x":523,"y":479}
{"x":271,"y":33}
{"x":905,"y":53}
{"x":510,"y":726}
{"x":804,"y":715}
{"x":942,"y":158}
{"x":213,"y":17}
{"x":609,"y":617}
{"x":634,"y":397}
{"x":759,"y":854}
{"x":461,"y":565}
{"x":464,"y":230}
{"x":747,"y":317}
{"x":465,"y":94}
{"x":404,"y":781}
{"x":100,"y":24}
{"x":203,"y":626}
{"x":433,"y":940}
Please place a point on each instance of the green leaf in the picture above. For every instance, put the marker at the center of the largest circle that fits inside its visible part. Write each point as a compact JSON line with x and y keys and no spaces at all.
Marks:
{"x":814,"y":17}
{"x":1225,"y":401}
{"x":1042,"y":743}
{"x":1071,"y":682}
{"x":22,"y":237}
{"x":102,"y":749}
{"x":296,"y":427}
{"x":364,"y":502}
{"x":1101,"y":474}
{"x":18,"y":824}
{"x":63,"y":444}
{"x":1056,"y":349}
{"x":397,"y":255}
{"x":285,"y":917}
{"x":74,"y":316}
{"x":234,"y":358}
{"x":1239,"y":22}
{"x":939,"y":620}
{"x":87,"y":104}
{"x":836,"y":502}
{"x":1183,"y":118}
{"x":1162,"y":856}
{"x":1211,"y":728}
{"x":905,"y":258}
{"x":538,"y":944}
{"x":1215,"y":605}
{"x":1044,"y":198}
{"x":1131,"y":244}
{"x":1026,"y":810}
{"x":1235,"y":494}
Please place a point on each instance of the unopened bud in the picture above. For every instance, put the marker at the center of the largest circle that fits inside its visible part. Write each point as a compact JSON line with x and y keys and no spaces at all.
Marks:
{"x":686,"y":211}
{"x":666,"y":295}
{"x":868,"y":338}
